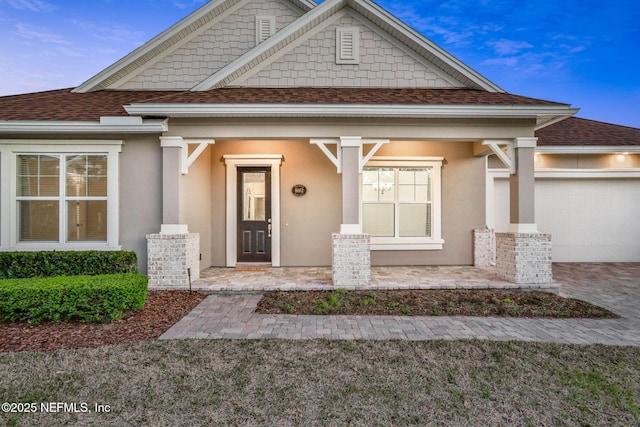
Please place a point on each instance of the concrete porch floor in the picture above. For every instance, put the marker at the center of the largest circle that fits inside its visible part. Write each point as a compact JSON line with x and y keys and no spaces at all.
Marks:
{"x":319,"y":278}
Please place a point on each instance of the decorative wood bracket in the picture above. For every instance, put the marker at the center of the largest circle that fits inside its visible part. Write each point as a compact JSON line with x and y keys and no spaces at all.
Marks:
{"x":507,"y":155}
{"x":186,"y":159}
{"x":351,"y":141}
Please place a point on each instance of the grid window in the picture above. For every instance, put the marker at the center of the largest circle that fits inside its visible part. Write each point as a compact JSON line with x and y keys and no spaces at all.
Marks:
{"x":62,"y":198}
{"x":397,"y":202}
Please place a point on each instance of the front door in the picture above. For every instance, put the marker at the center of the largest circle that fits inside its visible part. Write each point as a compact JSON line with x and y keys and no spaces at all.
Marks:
{"x":254,"y":214}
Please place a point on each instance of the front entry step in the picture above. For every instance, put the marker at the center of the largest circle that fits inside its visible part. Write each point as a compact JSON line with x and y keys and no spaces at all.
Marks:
{"x":252,"y":266}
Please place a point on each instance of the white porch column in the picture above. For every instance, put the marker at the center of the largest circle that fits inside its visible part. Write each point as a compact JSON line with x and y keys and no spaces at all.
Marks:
{"x":173,"y":255}
{"x":351,"y":248}
{"x":172,"y":151}
{"x":522,"y":188}
{"x":351,"y":147}
{"x":523,"y":255}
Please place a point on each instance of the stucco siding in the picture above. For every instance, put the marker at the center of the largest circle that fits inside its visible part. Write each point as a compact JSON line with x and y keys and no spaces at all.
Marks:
{"x":140,"y":194}
{"x":207,"y":52}
{"x":306,"y":222}
{"x":382,"y":63}
{"x":196,"y":202}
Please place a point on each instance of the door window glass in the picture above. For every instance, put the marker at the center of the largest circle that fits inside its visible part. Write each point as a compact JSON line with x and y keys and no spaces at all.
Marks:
{"x":253,"y":196}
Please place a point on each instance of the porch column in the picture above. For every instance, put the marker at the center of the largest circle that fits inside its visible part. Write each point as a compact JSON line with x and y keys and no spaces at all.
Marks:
{"x":174,"y":253}
{"x":172,"y":152}
{"x":522,"y":188}
{"x":351,"y":147}
{"x":523,"y":255}
{"x":351,"y":248}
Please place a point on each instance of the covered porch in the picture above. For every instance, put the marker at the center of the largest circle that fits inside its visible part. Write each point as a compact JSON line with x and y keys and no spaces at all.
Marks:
{"x":258,"y":279}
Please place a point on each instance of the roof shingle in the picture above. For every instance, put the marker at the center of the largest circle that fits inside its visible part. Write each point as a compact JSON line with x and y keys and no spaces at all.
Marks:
{"x":64,"y":105}
{"x":575,"y":131}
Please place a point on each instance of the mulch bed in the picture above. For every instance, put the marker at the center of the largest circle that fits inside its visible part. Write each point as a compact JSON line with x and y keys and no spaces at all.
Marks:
{"x":165,"y":308}
{"x":500,"y":303}
{"x":162,"y":310}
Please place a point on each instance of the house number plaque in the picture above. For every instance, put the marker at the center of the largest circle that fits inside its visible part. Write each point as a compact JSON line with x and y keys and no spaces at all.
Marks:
{"x":299,"y":190}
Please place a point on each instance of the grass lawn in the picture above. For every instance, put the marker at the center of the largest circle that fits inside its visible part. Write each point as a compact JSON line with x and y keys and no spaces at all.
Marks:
{"x":329,"y":383}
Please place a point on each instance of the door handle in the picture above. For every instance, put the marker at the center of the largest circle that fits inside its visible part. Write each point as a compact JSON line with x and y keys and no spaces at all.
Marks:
{"x":269,"y":228}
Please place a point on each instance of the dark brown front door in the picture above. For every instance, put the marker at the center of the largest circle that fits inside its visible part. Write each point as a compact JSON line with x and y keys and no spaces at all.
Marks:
{"x":254,"y":214}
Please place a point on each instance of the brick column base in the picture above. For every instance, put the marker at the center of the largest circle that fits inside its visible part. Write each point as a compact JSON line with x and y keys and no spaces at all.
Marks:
{"x":351,"y":261}
{"x":169,"y":257}
{"x":484,"y":247}
{"x":524,"y":258}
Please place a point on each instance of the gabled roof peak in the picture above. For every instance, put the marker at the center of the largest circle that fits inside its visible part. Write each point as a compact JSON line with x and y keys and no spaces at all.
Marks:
{"x":168,"y":38}
{"x":372,"y":12}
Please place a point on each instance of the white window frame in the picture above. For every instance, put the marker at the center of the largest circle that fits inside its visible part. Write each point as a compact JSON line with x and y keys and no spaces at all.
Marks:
{"x":9,"y":152}
{"x":435,"y":242}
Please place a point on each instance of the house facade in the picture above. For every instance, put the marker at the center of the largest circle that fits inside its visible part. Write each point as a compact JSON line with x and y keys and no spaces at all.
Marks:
{"x":286,"y":133}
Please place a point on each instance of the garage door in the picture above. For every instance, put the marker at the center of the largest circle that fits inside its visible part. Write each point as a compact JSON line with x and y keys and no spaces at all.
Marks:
{"x":591,"y":220}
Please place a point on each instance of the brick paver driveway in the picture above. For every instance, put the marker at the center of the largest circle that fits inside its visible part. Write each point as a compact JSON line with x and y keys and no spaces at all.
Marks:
{"x":613,"y":286}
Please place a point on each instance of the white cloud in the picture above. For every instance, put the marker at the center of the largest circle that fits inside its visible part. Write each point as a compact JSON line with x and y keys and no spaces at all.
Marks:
{"x":32,"y":5}
{"x":40,"y":34}
{"x":509,"y":47}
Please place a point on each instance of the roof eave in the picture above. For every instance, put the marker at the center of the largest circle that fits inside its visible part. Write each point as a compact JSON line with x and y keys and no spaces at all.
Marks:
{"x":542,"y":113}
{"x":113,"y":126}
{"x":587,"y":149}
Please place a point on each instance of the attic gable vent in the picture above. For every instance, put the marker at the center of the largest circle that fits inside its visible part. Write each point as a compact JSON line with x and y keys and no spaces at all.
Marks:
{"x":347,"y":46}
{"x":265,"y":27}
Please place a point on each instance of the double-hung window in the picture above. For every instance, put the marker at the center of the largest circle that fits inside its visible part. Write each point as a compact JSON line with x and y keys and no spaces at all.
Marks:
{"x":401,"y":203}
{"x":64,"y":196}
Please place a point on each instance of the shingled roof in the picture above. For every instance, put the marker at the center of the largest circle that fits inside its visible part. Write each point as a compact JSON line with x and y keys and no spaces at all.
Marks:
{"x":575,"y":131}
{"x":64,"y":105}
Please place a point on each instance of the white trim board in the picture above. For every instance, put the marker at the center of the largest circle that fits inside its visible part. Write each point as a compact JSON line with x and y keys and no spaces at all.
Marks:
{"x":232,"y":162}
{"x":541,"y":113}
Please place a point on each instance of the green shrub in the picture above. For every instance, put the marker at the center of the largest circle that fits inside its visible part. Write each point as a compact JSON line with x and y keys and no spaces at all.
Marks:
{"x":83,"y":298}
{"x":17,"y":265}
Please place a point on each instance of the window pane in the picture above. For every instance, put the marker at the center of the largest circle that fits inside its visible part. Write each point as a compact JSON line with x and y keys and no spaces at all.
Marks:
{"x":378,"y":185}
{"x":253,"y":189}
{"x":415,"y":220}
{"x":378,"y":219}
{"x":86,"y":176}
{"x":423,"y":193}
{"x":407,"y":176}
{"x":406,"y":193}
{"x":386,"y":185}
{"x":370,"y":185}
{"x":86,"y":220}
{"x":423,"y":176}
{"x":415,"y":185}
{"x":38,"y":175}
{"x":38,"y":220}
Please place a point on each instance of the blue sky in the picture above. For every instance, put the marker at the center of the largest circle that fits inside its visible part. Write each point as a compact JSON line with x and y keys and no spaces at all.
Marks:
{"x":582,"y":52}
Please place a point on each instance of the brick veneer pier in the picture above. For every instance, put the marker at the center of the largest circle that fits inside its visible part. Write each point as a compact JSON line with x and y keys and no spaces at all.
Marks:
{"x":484,"y":247}
{"x":169,"y":258}
{"x":351,"y":261}
{"x":524,"y":258}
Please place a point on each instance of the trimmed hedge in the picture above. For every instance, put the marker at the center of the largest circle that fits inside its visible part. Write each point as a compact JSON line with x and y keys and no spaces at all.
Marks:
{"x":17,"y":265}
{"x":83,"y":298}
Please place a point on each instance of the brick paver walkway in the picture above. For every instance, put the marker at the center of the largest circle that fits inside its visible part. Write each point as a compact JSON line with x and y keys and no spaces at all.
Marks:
{"x":614,"y":286}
